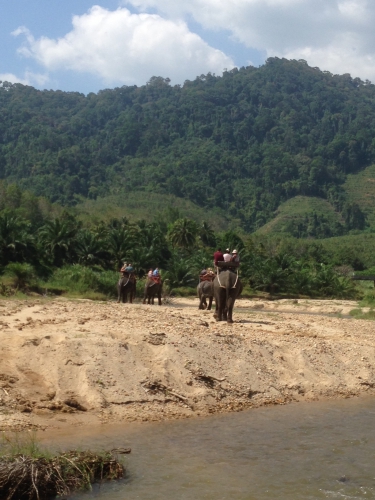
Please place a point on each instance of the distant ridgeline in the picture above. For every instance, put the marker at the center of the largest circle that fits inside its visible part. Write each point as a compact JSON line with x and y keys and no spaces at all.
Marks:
{"x":244,"y":143}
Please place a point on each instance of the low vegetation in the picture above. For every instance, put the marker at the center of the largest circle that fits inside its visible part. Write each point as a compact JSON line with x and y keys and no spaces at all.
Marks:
{"x":55,"y":253}
{"x":360,"y":314}
{"x":28,"y":472}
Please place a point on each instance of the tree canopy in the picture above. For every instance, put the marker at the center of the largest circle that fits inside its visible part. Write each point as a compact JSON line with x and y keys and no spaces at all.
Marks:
{"x":244,"y":142}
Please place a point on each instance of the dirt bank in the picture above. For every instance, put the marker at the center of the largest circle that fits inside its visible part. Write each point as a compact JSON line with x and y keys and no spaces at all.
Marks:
{"x":82,"y":362}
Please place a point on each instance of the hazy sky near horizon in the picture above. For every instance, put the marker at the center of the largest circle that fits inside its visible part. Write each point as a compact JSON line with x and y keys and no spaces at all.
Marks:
{"x":86,"y":46}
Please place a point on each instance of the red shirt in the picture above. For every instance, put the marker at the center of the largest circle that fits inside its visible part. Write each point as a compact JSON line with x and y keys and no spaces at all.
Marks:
{"x":218,"y":257}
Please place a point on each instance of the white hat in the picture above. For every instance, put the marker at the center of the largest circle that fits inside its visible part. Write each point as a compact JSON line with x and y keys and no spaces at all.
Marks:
{"x":227,"y":250}
{"x":234,"y":251}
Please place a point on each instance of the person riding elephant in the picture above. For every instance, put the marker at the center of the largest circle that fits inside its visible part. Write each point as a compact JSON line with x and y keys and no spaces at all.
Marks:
{"x":205,"y":290}
{"x":126,"y":286}
{"x":227,"y":288}
{"x":218,"y":256}
{"x":153,"y":288}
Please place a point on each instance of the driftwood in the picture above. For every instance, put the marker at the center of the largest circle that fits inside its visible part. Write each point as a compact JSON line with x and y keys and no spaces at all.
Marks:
{"x":157,"y":386}
{"x":205,"y":377}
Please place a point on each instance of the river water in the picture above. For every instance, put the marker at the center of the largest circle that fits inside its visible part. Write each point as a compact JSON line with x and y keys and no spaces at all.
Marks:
{"x":295,"y":452}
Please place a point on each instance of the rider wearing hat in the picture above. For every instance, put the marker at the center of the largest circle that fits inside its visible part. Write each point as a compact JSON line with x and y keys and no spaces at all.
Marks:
{"x":235,"y":256}
{"x":227,"y":255}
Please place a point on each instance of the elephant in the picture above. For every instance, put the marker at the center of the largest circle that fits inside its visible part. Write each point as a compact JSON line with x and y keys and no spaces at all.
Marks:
{"x":227,"y":287}
{"x":205,"y":290}
{"x":126,"y":286}
{"x":152,"y":289}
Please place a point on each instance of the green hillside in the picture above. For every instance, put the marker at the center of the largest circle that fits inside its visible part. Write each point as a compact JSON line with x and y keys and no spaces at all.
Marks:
{"x":360,"y":189}
{"x":148,"y":206}
{"x":242,"y":144}
{"x":304,"y":216}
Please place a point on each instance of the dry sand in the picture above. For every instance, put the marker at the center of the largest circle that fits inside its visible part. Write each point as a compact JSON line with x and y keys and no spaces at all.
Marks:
{"x":65,"y":362}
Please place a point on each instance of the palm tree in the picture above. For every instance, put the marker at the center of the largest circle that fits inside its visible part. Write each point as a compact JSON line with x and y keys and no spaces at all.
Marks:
{"x":207,"y":235}
{"x":120,"y":243}
{"x":200,"y":259}
{"x":22,"y":274}
{"x":179,"y":274}
{"x":89,"y":249}
{"x":183,"y":233}
{"x":231,"y":240}
{"x":16,"y":242}
{"x":56,"y":238}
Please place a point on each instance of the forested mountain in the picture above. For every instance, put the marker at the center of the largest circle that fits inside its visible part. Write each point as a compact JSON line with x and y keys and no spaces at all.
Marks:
{"x":244,"y":143}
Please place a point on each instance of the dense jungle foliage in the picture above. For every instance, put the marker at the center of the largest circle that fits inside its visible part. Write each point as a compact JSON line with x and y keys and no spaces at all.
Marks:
{"x":47,"y":249}
{"x":244,"y":143}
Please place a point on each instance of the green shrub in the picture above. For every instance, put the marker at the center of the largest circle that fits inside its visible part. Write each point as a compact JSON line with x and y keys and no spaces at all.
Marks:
{"x":184,"y":291}
{"x":21,"y":275}
{"x":368,"y":299}
{"x":359,"y":314}
{"x":83,"y":281}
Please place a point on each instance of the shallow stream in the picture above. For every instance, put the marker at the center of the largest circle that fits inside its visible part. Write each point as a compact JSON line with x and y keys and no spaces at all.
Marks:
{"x":295,"y":452}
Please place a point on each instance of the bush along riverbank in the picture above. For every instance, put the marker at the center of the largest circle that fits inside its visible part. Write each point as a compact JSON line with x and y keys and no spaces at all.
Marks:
{"x":29,"y":473}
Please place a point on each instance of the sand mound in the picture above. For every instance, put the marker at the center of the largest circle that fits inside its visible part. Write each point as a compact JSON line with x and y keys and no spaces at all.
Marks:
{"x":78,"y":362}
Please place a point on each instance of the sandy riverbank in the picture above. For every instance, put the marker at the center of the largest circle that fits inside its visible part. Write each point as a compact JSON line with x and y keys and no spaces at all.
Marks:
{"x":66,"y":362}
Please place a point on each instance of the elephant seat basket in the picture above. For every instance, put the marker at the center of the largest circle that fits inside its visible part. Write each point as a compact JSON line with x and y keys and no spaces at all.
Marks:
{"x":228,"y":265}
{"x":155,"y":279}
{"x":207,"y":277}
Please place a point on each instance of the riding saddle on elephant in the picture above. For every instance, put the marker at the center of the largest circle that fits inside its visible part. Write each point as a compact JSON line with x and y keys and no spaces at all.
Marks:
{"x":228,"y":266}
{"x":208,"y":276}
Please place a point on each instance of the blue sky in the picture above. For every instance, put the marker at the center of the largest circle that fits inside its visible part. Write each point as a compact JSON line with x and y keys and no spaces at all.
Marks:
{"x":85,"y":46}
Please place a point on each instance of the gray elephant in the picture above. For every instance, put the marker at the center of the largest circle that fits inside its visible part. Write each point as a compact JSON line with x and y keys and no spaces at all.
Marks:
{"x":126,"y":286}
{"x":227,"y":287}
{"x":152,"y":289}
{"x":205,"y":290}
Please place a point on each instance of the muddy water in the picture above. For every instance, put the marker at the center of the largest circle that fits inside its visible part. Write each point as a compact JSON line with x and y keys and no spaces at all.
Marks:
{"x":294,"y":452}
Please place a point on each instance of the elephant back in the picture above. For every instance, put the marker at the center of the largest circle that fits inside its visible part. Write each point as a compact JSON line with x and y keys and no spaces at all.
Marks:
{"x":228,"y":279}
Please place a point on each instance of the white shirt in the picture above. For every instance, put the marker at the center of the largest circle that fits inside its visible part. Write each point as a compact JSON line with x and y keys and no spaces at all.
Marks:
{"x":227,"y":257}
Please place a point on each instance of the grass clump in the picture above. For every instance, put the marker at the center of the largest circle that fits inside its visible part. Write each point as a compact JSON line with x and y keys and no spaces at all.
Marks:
{"x":359,"y":314}
{"x":368,"y":299}
{"x":29,"y":473}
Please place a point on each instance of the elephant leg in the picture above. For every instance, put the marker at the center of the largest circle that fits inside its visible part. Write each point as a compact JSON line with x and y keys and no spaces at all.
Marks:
{"x":230,"y":304}
{"x":159,"y":298}
{"x":225,"y":314}
{"x":219,"y":313}
{"x":216,"y":313}
{"x":202,"y":301}
{"x":222,"y":305}
{"x":131,"y":296}
{"x":209,"y":303}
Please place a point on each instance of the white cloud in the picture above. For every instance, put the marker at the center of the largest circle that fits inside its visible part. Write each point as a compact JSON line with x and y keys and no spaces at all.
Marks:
{"x":335,"y":34}
{"x":29,"y":78}
{"x":125,"y":48}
